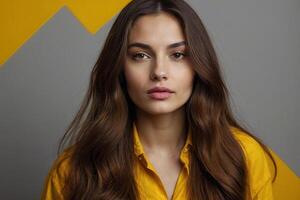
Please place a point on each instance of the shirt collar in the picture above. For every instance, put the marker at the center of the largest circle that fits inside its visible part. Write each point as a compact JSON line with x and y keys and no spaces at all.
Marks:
{"x":140,"y":153}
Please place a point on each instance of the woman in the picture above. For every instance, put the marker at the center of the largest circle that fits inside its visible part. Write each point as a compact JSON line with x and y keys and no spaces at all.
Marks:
{"x":156,"y":122}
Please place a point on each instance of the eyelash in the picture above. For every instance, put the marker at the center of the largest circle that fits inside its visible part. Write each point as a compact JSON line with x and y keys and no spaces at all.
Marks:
{"x":139,"y":54}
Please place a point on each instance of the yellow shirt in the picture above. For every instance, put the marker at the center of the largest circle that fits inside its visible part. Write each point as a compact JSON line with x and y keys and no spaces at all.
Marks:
{"x":151,"y":188}
{"x":149,"y":184}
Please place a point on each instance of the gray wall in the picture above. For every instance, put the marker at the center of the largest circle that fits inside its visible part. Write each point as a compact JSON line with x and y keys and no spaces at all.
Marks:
{"x":44,"y":82}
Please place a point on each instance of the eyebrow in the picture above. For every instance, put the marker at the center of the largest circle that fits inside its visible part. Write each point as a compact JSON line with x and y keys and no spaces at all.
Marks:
{"x":148,"y":47}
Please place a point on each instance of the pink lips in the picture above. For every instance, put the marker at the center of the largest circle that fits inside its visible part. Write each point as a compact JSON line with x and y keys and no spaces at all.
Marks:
{"x":160,"y":93}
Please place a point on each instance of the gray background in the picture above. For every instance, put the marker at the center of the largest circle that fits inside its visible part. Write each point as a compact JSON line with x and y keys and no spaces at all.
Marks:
{"x":43,"y":84}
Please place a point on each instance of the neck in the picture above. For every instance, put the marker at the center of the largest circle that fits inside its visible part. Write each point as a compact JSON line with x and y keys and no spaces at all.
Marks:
{"x":162,"y":133}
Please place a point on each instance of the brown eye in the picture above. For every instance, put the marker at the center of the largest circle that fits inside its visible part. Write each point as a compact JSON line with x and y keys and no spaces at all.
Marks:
{"x":139,"y":56}
{"x":178,"y":55}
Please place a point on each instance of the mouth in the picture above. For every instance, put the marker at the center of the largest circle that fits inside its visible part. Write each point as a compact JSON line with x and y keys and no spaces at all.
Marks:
{"x":160,"y":89}
{"x":160,"y":95}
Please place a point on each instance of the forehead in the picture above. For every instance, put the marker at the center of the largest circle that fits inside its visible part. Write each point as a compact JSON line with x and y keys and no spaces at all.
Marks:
{"x":156,"y":29}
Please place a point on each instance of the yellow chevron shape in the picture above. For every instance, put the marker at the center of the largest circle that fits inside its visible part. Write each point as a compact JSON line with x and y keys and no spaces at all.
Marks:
{"x":93,"y":14}
{"x":20,"y":20}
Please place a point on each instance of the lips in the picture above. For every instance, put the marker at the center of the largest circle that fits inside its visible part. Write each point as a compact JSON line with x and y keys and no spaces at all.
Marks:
{"x":159,"y":89}
{"x":160,"y":93}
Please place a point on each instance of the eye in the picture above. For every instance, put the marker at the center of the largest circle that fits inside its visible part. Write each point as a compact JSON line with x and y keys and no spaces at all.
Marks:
{"x":139,"y":56}
{"x":178,"y":55}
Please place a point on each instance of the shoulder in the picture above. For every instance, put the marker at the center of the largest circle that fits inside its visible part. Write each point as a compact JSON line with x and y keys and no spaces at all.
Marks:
{"x":249,"y":145}
{"x":259,"y":174}
{"x":56,"y":176}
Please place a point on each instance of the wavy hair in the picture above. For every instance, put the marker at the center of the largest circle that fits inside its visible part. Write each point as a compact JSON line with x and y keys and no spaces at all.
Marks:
{"x":100,"y":135}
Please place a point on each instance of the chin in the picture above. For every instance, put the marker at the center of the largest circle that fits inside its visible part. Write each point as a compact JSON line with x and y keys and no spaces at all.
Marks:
{"x":159,"y":110}
{"x":155,"y":112}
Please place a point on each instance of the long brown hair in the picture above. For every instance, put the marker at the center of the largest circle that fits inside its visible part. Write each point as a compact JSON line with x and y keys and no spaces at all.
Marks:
{"x":100,"y":136}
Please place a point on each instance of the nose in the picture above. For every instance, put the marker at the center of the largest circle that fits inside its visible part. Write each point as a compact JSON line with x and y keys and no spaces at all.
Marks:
{"x":159,"y":70}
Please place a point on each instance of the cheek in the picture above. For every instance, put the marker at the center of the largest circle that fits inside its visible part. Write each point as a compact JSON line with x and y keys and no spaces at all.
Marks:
{"x":134,"y":78}
{"x":186,"y":80}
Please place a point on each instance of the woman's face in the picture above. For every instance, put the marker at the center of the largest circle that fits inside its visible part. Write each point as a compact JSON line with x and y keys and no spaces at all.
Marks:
{"x":156,"y":57}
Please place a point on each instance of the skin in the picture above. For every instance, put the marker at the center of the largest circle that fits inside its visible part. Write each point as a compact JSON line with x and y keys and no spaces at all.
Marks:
{"x":160,"y":123}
